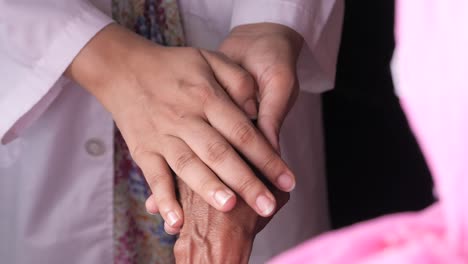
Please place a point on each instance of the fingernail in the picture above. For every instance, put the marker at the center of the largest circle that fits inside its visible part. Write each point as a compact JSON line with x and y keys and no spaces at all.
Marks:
{"x":250,"y":108}
{"x":172,"y":218}
{"x":221,"y":197}
{"x":265,"y":205}
{"x":286,"y":182}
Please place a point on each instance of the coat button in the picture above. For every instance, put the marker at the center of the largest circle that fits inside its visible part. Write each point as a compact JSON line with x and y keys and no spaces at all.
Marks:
{"x":95,"y":147}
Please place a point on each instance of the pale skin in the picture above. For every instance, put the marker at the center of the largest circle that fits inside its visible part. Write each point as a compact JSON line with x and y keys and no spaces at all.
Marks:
{"x":188,"y":110}
{"x":269,"y":52}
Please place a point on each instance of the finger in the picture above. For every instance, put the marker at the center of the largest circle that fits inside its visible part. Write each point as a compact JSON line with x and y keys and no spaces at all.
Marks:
{"x":225,"y":162}
{"x":282,"y":199}
{"x":237,"y":82}
{"x":161,"y":182}
{"x":196,"y":175}
{"x":171,"y":230}
{"x":242,"y":134}
{"x":151,"y":206}
{"x":277,"y":93}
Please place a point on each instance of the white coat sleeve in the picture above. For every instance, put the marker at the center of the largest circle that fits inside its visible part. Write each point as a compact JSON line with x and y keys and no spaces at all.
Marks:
{"x":38,"y":40}
{"x":318,"y":21}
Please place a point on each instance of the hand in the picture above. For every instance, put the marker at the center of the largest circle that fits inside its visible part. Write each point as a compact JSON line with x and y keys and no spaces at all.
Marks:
{"x":172,"y":111}
{"x":209,"y":236}
{"x":269,"y":52}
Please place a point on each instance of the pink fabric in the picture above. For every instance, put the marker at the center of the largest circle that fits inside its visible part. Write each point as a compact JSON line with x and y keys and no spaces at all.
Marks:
{"x":430,"y":72}
{"x":401,"y":238}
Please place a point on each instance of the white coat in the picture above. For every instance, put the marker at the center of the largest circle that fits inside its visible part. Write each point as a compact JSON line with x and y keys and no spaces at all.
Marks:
{"x":56,"y":157}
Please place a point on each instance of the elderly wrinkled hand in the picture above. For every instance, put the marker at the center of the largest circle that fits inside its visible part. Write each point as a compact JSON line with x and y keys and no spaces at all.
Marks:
{"x":210,"y":236}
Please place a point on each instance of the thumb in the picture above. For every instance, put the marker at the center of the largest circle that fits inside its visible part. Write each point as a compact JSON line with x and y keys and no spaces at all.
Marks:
{"x":277,"y":96}
{"x":236,"y":81}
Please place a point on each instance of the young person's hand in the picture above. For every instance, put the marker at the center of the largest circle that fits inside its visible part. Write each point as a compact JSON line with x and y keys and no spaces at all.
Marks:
{"x":269,"y":52}
{"x":173,"y":107}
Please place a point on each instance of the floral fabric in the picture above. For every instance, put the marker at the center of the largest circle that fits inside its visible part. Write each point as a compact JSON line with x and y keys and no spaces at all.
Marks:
{"x":138,"y":236}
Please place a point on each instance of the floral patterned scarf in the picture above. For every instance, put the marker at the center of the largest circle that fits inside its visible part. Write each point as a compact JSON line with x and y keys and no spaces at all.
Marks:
{"x":138,"y":236}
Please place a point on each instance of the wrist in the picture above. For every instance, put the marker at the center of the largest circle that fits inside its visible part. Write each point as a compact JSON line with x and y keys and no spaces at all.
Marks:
{"x":108,"y":62}
{"x":230,"y":247}
{"x":210,"y":236}
{"x":294,"y":39}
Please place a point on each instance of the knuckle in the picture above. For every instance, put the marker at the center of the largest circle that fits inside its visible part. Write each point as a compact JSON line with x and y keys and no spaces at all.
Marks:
{"x":245,"y":186}
{"x":198,"y":90}
{"x":204,"y":91}
{"x":244,"y":81}
{"x":282,"y":74}
{"x":244,"y":133}
{"x":182,"y":249}
{"x":184,"y":160}
{"x":139,"y":152}
{"x":271,"y":164}
{"x":217,"y":152}
{"x":192,"y":54}
{"x":155,"y":178}
{"x":164,"y":203}
{"x":205,"y":185}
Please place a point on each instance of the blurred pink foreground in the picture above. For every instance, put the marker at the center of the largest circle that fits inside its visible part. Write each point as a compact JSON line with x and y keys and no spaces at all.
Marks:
{"x":430,"y":69}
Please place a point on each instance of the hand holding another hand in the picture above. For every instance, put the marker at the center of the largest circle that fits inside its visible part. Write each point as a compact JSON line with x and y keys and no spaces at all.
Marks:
{"x":210,"y":236}
{"x":269,"y":52}
{"x":175,"y":110}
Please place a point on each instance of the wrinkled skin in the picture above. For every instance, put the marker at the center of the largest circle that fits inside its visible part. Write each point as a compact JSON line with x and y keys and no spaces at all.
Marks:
{"x":210,"y":236}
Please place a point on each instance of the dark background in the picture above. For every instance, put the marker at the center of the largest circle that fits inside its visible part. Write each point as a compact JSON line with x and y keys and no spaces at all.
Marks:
{"x":374,"y":164}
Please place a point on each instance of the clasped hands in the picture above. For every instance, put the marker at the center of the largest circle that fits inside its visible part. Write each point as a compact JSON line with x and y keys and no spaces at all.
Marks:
{"x":189,"y":111}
